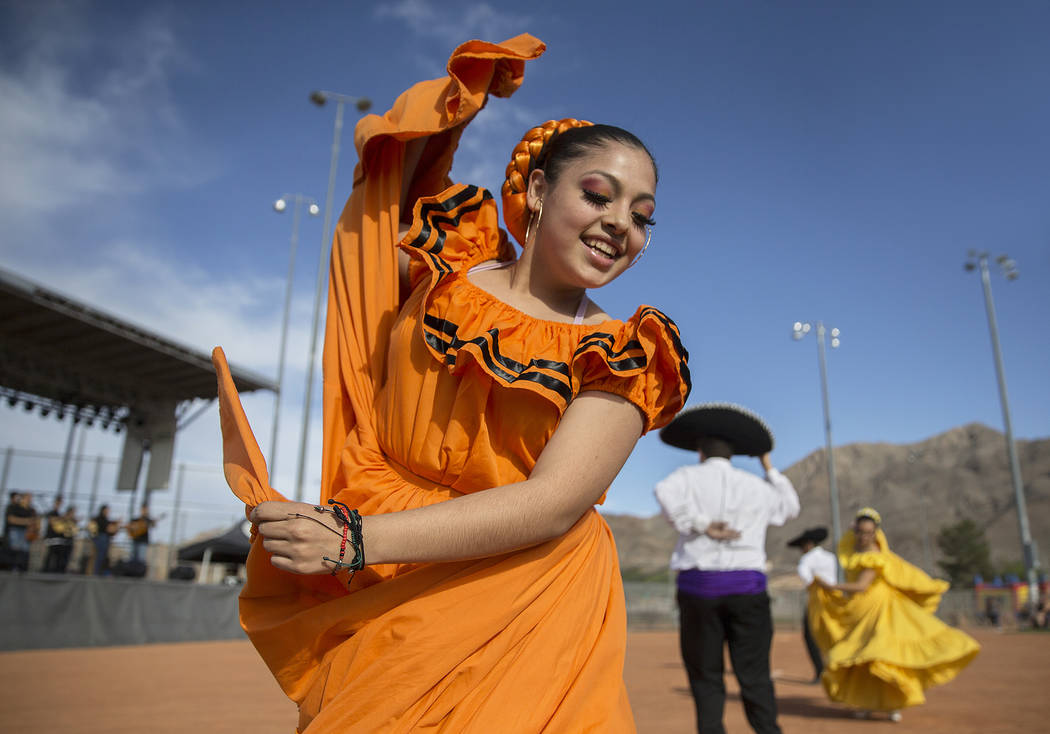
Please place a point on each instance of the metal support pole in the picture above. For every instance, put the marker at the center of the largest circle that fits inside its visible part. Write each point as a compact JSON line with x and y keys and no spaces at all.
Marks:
{"x":9,"y":455}
{"x":65,"y":458}
{"x":284,"y":333}
{"x":1027,"y":549}
{"x":94,"y":486}
{"x":175,"y":515}
{"x":833,"y":488}
{"x":135,"y":485}
{"x":77,"y":460}
{"x":322,"y":271}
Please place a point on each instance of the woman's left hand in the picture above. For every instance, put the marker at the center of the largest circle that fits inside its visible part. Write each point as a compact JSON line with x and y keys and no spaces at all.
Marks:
{"x":298,"y":536}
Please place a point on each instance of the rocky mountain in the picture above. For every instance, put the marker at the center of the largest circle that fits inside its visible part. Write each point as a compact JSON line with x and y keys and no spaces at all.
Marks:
{"x":918,"y":488}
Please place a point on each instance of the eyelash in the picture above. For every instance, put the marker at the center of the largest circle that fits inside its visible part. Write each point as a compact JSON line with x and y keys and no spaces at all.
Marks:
{"x":601,"y":201}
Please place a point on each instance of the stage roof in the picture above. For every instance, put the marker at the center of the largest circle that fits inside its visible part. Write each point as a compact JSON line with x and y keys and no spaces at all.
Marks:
{"x":57,"y":352}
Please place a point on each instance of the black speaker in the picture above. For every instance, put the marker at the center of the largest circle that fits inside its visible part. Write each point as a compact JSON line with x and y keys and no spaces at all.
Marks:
{"x":182,"y":573}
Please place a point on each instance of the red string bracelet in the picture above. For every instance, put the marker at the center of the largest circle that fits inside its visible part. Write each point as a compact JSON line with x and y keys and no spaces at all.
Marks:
{"x":352,"y":531}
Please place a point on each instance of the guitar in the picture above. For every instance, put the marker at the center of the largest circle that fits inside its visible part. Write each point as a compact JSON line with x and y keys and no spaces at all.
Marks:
{"x":141,"y":525}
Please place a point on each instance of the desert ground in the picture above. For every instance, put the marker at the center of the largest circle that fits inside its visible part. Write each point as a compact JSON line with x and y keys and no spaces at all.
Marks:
{"x":223,"y":687}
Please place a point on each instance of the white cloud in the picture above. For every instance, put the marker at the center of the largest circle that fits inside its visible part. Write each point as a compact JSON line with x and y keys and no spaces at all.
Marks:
{"x":82,"y":116}
{"x":485,"y":147}
{"x":456,"y":25}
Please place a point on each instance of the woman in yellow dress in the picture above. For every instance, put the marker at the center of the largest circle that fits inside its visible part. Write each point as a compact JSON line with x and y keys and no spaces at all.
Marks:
{"x":878,"y":632}
{"x":477,"y":405}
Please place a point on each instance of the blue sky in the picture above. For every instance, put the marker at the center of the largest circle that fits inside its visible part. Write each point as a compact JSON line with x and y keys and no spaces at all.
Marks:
{"x":818,"y":161}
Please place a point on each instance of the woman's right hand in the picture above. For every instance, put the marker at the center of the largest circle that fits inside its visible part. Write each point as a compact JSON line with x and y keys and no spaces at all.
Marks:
{"x":298,"y":536}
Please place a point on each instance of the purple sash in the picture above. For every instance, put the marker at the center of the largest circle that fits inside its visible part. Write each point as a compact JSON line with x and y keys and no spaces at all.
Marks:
{"x":711,"y":584}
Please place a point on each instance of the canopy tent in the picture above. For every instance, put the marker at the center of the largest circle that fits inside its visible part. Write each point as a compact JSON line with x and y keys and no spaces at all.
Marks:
{"x":230,"y":546}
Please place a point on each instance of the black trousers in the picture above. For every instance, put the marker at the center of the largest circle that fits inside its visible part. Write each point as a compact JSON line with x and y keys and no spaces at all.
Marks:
{"x":811,"y":647}
{"x":744,"y":621}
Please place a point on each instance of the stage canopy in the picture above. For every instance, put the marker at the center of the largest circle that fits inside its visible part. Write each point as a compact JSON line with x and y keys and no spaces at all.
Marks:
{"x":75,"y":357}
{"x":66,"y":357}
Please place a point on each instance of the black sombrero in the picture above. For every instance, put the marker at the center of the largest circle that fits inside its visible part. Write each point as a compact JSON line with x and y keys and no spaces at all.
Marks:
{"x":813,"y":535}
{"x":747,"y":432}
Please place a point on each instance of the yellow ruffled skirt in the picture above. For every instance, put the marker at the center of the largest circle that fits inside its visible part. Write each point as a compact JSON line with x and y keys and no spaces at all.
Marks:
{"x":883,"y":649}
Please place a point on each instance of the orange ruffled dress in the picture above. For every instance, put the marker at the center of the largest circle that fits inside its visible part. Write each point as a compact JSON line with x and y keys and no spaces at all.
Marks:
{"x":448,"y":393}
{"x":884,"y":646}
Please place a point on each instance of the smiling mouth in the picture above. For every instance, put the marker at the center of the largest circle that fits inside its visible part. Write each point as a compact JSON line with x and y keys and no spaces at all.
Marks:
{"x":602,"y":248}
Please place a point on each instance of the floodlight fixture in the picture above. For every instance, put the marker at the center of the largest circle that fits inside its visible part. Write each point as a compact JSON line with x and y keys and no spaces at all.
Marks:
{"x":320,"y":97}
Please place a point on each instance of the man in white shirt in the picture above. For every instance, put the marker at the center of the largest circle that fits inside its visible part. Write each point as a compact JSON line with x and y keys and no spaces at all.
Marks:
{"x":814,"y":563}
{"x":721,"y":514}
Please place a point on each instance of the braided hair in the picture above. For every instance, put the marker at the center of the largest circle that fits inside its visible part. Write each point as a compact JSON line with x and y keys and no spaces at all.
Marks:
{"x":549,"y":147}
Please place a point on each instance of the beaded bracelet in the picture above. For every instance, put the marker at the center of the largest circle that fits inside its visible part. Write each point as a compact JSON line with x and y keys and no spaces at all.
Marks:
{"x":351,"y":522}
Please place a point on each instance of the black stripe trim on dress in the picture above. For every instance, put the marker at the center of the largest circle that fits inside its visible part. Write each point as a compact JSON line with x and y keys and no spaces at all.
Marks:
{"x":435,"y":212}
{"x":683,"y":353}
{"x":506,"y":368}
{"x":604,"y":342}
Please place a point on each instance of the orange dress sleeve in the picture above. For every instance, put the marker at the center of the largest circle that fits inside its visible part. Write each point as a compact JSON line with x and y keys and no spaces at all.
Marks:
{"x":645,"y":363}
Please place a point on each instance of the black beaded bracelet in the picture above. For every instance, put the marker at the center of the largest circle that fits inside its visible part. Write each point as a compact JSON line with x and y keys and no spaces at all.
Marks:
{"x":352,"y":532}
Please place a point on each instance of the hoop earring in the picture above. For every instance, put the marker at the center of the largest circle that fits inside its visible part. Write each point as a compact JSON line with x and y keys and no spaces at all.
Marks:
{"x":537,"y":215}
{"x":648,"y":239}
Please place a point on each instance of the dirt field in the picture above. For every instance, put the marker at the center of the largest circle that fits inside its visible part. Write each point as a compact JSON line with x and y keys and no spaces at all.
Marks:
{"x":223,"y":687}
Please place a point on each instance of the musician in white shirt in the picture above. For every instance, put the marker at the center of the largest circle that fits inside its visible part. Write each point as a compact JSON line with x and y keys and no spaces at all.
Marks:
{"x":814,"y":563}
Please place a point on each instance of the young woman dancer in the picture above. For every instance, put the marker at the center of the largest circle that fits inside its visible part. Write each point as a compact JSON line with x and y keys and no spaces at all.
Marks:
{"x":476,"y":407}
{"x":881,"y":640}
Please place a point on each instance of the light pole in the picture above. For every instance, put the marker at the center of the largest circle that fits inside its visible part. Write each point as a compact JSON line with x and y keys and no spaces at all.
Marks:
{"x":1009,"y":270}
{"x":362,"y":104}
{"x":799,"y":330}
{"x":279,"y":206}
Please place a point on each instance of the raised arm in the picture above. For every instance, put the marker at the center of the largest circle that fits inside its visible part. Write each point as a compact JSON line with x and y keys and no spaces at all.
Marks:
{"x":787,"y":505}
{"x":593,"y":440}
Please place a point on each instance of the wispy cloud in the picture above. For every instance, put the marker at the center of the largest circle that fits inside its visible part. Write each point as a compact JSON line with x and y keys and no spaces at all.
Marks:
{"x":455,"y":25}
{"x":485,"y":148}
{"x":82,"y":116}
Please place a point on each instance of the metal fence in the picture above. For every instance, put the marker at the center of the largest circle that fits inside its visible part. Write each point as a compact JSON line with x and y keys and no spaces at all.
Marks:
{"x":651,"y":605}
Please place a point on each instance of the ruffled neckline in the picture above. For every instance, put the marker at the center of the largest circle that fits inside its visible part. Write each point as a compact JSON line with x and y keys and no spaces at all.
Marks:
{"x":462,"y":323}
